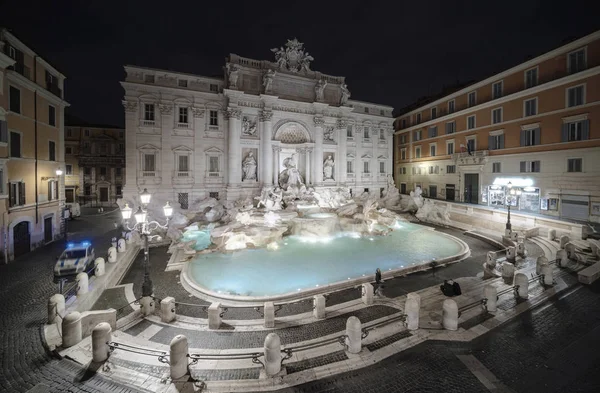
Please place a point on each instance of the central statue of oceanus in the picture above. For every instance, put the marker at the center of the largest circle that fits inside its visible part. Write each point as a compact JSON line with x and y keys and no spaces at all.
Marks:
{"x":290,"y":176}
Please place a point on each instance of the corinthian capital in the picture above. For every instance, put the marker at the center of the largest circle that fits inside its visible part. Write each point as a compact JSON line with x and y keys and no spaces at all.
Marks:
{"x":198,"y":112}
{"x":342,"y":123}
{"x":165,"y":109}
{"x":233,"y":113}
{"x":130,"y":106}
{"x":319,"y":121}
{"x":266,"y":116}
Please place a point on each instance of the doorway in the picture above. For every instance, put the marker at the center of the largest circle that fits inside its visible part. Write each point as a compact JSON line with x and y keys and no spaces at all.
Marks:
{"x":103,"y":194}
{"x":450,"y":192}
{"x":48,"y":229}
{"x":69,"y":195}
{"x":402,"y":188}
{"x":21,"y":239}
{"x":471,"y":188}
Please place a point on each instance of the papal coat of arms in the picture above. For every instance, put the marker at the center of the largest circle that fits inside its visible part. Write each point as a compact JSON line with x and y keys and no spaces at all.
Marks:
{"x":293,"y":58}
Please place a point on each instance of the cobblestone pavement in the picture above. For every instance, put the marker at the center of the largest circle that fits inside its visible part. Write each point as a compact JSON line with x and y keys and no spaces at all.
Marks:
{"x":25,"y":286}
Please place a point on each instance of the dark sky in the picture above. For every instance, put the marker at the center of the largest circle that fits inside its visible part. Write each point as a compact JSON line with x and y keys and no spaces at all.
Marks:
{"x":391,"y":52}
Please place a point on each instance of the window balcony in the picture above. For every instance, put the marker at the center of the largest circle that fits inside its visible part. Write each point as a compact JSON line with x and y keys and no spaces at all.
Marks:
{"x":54,"y":89}
{"x":183,"y":125}
{"x":214,"y":174}
{"x":183,"y":174}
{"x":148,"y":123}
{"x":350,"y":175}
{"x":148,"y":174}
{"x":22,"y":69}
{"x":183,"y":177}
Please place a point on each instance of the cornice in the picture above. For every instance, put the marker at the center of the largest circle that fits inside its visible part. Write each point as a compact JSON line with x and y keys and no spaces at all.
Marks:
{"x":134,"y":86}
{"x":21,"y":80}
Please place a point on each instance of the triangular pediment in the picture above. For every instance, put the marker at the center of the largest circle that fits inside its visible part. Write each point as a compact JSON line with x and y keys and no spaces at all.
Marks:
{"x":147,"y":147}
{"x":382,"y":157}
{"x":213,"y":149}
{"x":350,"y":155}
{"x":182,"y":148}
{"x":367,"y":156}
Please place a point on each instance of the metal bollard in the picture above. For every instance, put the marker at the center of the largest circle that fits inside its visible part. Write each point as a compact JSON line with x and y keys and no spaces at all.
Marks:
{"x":269,"y":316}
{"x":101,"y":335}
{"x":167,"y":309}
{"x":56,"y":307}
{"x":319,"y":304}
{"x":490,"y":294}
{"x":354,"y":334}
{"x":100,"y":267}
{"x":272,"y":354}
{"x":522,"y":285}
{"x":71,"y":329}
{"x":82,"y":283}
{"x":112,"y":255}
{"x":412,"y":309}
{"x":178,"y":356}
{"x":147,"y":305}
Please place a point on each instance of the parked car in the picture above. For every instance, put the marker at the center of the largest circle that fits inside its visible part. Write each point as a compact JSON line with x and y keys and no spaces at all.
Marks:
{"x":76,"y":258}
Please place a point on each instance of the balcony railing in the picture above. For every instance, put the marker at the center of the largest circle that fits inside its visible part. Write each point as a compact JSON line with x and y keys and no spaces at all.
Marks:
{"x":214,"y":174}
{"x":54,"y":89}
{"x":148,"y":123}
{"x":183,"y":125}
{"x":148,"y":173}
{"x":476,"y":153}
{"x":22,"y":69}
{"x":350,"y":174}
{"x":183,"y":173}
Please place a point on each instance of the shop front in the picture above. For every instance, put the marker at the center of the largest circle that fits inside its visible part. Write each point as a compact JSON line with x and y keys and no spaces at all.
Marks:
{"x":520,"y":193}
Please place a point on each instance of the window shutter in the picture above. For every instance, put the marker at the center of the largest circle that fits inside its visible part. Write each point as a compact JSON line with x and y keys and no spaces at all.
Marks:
{"x":585,"y":129}
{"x":523,"y":166}
{"x":565,"y":132}
{"x":50,"y":191}
{"x":21,"y":193}
{"x":3,"y":131}
{"x":523,"y":139}
{"x":537,"y":137}
{"x":437,"y":169}
{"x":11,"y":201}
{"x":501,"y":141}
{"x":491,"y":145}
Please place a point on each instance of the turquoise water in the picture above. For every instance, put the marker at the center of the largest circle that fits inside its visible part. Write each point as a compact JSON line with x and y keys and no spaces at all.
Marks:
{"x":201,"y":236}
{"x":300,"y":264}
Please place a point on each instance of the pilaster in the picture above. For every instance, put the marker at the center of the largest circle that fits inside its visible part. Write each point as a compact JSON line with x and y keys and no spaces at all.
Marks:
{"x":267,"y":151}
{"x":340,"y":160}
{"x":319,"y":122}
{"x":234,"y":154}
{"x":131,"y":153}
{"x":167,"y":157}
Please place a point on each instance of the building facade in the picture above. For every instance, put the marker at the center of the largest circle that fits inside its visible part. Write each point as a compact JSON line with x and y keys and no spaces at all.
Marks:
{"x":94,"y":164}
{"x":534,"y":128}
{"x":31,"y":148}
{"x":191,"y":137}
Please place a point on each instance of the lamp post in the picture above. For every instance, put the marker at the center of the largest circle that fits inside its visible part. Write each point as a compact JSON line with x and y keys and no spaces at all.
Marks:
{"x":61,"y":208}
{"x":512,"y":193}
{"x":145,"y":228}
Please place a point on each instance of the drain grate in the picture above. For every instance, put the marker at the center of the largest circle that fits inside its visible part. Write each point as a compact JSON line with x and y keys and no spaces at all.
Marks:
{"x":388,"y":340}
{"x":317,"y":361}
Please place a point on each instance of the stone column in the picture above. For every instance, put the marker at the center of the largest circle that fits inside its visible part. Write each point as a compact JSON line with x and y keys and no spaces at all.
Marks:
{"x":276,"y":150}
{"x":234,"y":154}
{"x":319,"y":306}
{"x":167,"y":167}
{"x":318,"y":154}
{"x":266,"y":161}
{"x":340,"y":159}
{"x":269,"y":314}
{"x":131,"y":152}
{"x":199,"y":159}
{"x":389,"y":165}
{"x":412,"y":309}
{"x":307,"y":158}
{"x":167,"y":309}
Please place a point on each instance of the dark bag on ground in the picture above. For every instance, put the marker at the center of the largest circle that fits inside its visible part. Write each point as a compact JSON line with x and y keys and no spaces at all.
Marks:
{"x":447,"y":289}
{"x":456,"y":288}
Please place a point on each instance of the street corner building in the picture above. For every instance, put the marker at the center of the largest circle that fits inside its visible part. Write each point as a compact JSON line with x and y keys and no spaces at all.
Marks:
{"x":31,"y":148}
{"x":534,"y":128}
{"x":189,"y":137}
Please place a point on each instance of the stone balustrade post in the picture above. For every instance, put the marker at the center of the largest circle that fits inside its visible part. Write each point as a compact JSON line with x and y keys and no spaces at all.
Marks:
{"x":521,"y":249}
{"x":490,"y":293}
{"x":167,"y":309}
{"x":551,"y":234}
{"x":56,"y":307}
{"x":412,"y":309}
{"x":514,"y":236}
{"x":450,"y":314}
{"x":539,"y":262}
{"x":508,"y":270}
{"x":214,"y":315}
{"x":564,"y":239}
{"x":269,"y":311}
{"x":319,"y":304}
{"x":522,"y":282}
{"x":128,"y":238}
{"x":101,"y":336}
{"x":121,"y":246}
{"x":147,"y":305}
{"x":354,"y":334}
{"x":570,"y":249}
{"x":100,"y":267}
{"x":113,"y":242}
{"x":112,"y":255}
{"x":178,"y":357}
{"x":511,"y":254}
{"x":82,"y":283}
{"x":491,"y":259}
{"x":561,"y":258}
{"x":367,"y":294}
{"x":272,"y":354}
{"x":547,"y":273}
{"x":71,"y":329}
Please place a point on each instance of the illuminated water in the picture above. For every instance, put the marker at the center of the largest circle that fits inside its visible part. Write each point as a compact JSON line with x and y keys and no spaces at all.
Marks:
{"x":302,"y":264}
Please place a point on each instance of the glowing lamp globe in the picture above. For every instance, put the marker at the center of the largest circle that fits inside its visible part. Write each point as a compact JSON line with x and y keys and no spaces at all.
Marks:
{"x":59,"y":172}
{"x":126,"y":212}
{"x":168,"y":209}
{"x":140,"y":215}
{"x":145,"y":197}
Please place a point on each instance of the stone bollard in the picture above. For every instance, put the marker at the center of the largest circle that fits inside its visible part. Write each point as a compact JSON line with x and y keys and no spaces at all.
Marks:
{"x":269,"y":311}
{"x":100,"y":267}
{"x":272,"y":354}
{"x":511,"y":254}
{"x":570,"y":249}
{"x":353,"y":334}
{"x":547,"y":273}
{"x":121,"y":247}
{"x":561,"y":258}
{"x":147,"y":305}
{"x":508,"y":270}
{"x":539,"y":262}
{"x":367,"y":294}
{"x":319,"y":304}
{"x":214,"y":315}
{"x":450,"y":315}
{"x":113,"y":242}
{"x":564,"y":239}
{"x":128,"y":238}
{"x":167,"y":309}
{"x":112,"y":255}
{"x":490,"y":293}
{"x":514,"y":236}
{"x":56,"y":307}
{"x":521,"y":249}
{"x":552,"y":234}
{"x":491,"y":259}
{"x":522,"y":282}
{"x":71,"y":329}
{"x":412,"y":308}
{"x":178,"y":356}
{"x":101,"y":335}
{"x":82,"y":283}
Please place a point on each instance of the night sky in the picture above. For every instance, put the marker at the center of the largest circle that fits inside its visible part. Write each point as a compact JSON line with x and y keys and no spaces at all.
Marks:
{"x":390,"y":52}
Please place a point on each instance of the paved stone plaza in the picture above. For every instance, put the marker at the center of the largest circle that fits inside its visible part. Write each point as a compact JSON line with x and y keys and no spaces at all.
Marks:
{"x":550,"y":348}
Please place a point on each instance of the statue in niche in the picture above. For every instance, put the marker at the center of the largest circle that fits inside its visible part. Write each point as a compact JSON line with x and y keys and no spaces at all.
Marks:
{"x":328,"y":165}
{"x":249,"y":167}
{"x":248,"y":127}
{"x":232,"y":76}
{"x":268,"y":80}
{"x":345,"y":94}
{"x":328,"y":134}
{"x":320,"y":89}
{"x":290,"y":176}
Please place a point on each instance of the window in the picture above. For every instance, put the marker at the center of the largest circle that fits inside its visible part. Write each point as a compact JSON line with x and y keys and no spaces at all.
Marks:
{"x":182,"y":83}
{"x":51,"y":115}
{"x":213,"y":164}
{"x":366,"y":167}
{"x":214,"y":118}
{"x":451,"y":106}
{"x":349,"y":168}
{"x":87,"y":171}
{"x":14,"y":96}
{"x":366,"y":110}
{"x":214,"y":88}
{"x":433,"y":113}
{"x":102,"y":171}
{"x":432,"y":150}
{"x":121,"y":134}
{"x":119,"y":189}
{"x":471,"y":144}
{"x":121,"y":148}
{"x":574,"y":165}
{"x":183,"y":115}
{"x":118,"y":172}
{"x":182,"y":198}
{"x":2,"y":181}
{"x":149,"y":162}
{"x":418,"y":118}
{"x":575,"y":96}
{"x":382,"y":134}
{"x":496,"y":167}
{"x":214,"y":195}
{"x":68,"y":150}
{"x":149,"y":112}
{"x":531,"y":78}
{"x":103,"y":148}
{"x":52,"y":190}
{"x":418,"y":135}
{"x":529,"y":166}
{"x":16,"y":194}
{"x":450,"y":127}
{"x":381,"y":166}
{"x":403,"y":139}
{"x":432,"y":191}
{"x":183,"y":163}
{"x":433,"y":131}
{"x":496,"y":142}
{"x":472,"y":98}
{"x":576,"y":131}
{"x":349,"y":133}
{"x":366,"y":133}
{"x":431,"y":170}
{"x":86,"y":132}
{"x":149,"y":78}
{"x":12,"y":52}
{"x":496,"y":115}
{"x":530,"y":107}
{"x":450,"y":148}
{"x":576,"y":61}
{"x":497,"y":90}
{"x":3,"y":131}
{"x":530,"y":137}
{"x":418,"y":152}
{"x":403,"y":123}
{"x":470,"y":122}
{"x":450,"y":168}
{"x":15,"y":144}
{"x":69,"y":132}
{"x":87,"y":190}
{"x":52,"y":151}
{"x":403,"y":154}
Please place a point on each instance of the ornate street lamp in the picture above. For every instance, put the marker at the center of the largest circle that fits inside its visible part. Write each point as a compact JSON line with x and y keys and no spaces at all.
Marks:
{"x":508,"y":202}
{"x":145,"y":229}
